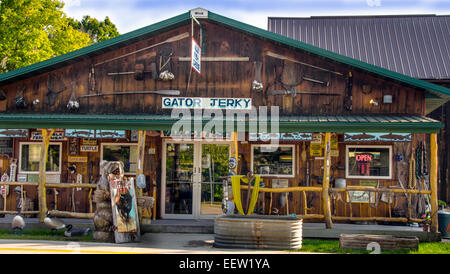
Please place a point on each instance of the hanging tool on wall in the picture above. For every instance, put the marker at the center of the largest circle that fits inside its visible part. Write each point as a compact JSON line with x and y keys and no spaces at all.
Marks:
{"x":169,"y":40}
{"x":73,"y":104}
{"x":91,"y":78}
{"x":295,"y":92}
{"x":348,"y":92}
{"x":160,"y":92}
{"x":165,"y":67}
{"x":138,"y":72}
{"x":20,"y":99}
{"x":279,"y":56}
{"x":52,"y":91}
{"x":257,"y":84}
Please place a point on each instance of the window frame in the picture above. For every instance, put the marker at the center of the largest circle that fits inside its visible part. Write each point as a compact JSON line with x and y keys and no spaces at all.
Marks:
{"x":37,"y":172}
{"x":119,"y":144}
{"x":347,"y":150}
{"x":274,"y":175}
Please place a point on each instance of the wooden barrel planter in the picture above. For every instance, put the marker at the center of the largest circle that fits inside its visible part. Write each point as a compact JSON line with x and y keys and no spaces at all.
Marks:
{"x":258,"y":232}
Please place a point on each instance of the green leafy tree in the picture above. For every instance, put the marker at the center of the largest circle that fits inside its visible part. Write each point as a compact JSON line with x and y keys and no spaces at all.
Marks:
{"x":98,"y":30}
{"x":35,"y":30}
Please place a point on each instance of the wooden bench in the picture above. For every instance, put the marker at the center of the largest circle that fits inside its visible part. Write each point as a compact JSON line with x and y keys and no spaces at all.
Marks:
{"x":385,"y":242}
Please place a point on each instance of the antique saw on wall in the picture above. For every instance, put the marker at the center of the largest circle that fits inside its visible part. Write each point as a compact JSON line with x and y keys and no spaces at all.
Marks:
{"x":294,"y":92}
{"x":160,"y":92}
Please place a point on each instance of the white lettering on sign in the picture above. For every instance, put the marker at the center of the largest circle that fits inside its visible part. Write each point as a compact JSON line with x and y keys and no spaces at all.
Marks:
{"x":206,"y":103}
{"x":196,"y":56}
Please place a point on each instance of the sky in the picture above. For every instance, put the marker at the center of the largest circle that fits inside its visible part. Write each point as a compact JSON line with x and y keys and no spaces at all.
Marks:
{"x":129,"y":15}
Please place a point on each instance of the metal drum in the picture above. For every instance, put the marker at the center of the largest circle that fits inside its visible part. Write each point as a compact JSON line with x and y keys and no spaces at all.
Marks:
{"x":258,"y":232}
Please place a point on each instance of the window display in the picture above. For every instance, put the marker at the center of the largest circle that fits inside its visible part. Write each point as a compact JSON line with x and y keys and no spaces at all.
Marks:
{"x":127,"y":153}
{"x":273,"y":160}
{"x":368,"y":162}
{"x":30,"y":154}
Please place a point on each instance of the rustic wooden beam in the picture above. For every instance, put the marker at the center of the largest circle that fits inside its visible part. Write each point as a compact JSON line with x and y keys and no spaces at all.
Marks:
{"x":70,"y":185}
{"x":434,"y":182}
{"x":384,"y":242}
{"x":380,"y":219}
{"x":68,"y":214}
{"x":287,"y":189}
{"x":326,"y":182}
{"x":42,"y":167}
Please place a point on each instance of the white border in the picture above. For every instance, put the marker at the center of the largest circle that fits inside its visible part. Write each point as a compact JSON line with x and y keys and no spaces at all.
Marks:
{"x":274,"y":175}
{"x":368,"y":177}
{"x":39,"y":143}
{"x":118,"y":144}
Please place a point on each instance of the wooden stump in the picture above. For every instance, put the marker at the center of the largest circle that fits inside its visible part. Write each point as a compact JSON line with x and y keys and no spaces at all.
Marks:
{"x":385,"y":242}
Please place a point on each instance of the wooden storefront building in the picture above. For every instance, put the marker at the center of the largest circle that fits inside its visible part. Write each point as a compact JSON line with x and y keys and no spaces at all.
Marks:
{"x":340,"y":121}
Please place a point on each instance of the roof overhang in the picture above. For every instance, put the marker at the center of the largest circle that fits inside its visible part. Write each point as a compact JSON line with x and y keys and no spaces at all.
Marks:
{"x":330,"y":123}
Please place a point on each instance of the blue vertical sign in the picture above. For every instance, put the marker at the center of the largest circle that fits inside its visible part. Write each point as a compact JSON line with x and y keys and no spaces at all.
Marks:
{"x":196,"y":56}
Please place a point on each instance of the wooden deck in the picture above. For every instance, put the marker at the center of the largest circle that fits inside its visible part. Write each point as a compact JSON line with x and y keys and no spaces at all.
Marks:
{"x":310,"y":230}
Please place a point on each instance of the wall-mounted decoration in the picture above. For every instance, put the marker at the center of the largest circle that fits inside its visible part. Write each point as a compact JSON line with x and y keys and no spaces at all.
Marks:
{"x":86,"y":133}
{"x":134,"y":135}
{"x":315,"y":149}
{"x":53,"y":178}
{"x":14,"y":133}
{"x":20,"y":99}
{"x":88,"y":142}
{"x":110,"y":134}
{"x":77,"y":159}
{"x":360,"y":137}
{"x":73,"y":104}
{"x":58,"y":135}
{"x":285,"y":136}
{"x":362,"y":196}
{"x":55,"y":86}
{"x":73,"y":146}
{"x":88,"y":148}
{"x":22,"y":177}
{"x":280,"y":183}
{"x":6,"y":146}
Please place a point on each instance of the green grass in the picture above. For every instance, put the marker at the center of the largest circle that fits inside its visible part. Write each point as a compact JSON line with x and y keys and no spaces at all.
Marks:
{"x":332,"y":246}
{"x":43,"y":234}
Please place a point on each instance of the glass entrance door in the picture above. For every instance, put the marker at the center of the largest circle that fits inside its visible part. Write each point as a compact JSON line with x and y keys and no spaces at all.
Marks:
{"x":214,"y":169}
{"x":192,"y":177}
{"x":178,"y":174}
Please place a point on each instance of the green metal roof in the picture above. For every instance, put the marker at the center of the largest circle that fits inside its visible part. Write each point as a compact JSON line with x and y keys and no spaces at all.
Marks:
{"x":329,"y":123}
{"x":441,"y":92}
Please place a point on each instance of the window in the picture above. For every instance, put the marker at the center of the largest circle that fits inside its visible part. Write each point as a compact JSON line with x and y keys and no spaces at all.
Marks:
{"x":368,"y":162}
{"x":30,"y":154}
{"x":269,"y":160}
{"x":127,"y":153}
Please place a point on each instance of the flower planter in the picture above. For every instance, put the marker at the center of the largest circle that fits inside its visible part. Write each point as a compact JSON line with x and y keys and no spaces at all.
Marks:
{"x":258,"y":232}
{"x":444,"y":222}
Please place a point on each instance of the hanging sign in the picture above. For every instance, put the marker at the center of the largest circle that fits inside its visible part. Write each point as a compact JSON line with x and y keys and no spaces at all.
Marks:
{"x":285,"y":136}
{"x":56,"y":136}
{"x":110,"y":134}
{"x":88,"y":142}
{"x":88,"y":148}
{"x":206,"y":103}
{"x":361,"y":137}
{"x":80,"y":132}
{"x":196,"y":56}
{"x":77,"y":159}
{"x":14,"y":133}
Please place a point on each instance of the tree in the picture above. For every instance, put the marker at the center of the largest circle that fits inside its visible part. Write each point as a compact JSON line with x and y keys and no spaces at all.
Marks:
{"x":35,"y":30}
{"x":98,"y":30}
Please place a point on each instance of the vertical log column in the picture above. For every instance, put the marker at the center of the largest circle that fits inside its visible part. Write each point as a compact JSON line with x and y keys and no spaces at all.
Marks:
{"x":140,"y":166}
{"x":326,"y":182}
{"x":434,"y":182}
{"x":42,"y":167}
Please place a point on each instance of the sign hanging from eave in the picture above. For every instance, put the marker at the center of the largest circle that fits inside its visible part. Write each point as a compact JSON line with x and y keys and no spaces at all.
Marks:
{"x":195,"y":56}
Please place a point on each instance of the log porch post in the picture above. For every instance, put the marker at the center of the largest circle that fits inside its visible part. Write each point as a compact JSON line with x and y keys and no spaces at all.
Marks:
{"x":140,"y":165}
{"x":434,"y":182}
{"x":42,"y":167}
{"x":326,"y":182}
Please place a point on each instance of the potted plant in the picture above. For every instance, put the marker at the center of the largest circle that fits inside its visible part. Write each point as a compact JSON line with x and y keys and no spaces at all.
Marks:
{"x":426,"y":221}
{"x":444,"y":219}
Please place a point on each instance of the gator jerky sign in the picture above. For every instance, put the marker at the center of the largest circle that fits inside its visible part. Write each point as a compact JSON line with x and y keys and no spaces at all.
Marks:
{"x":206,"y":103}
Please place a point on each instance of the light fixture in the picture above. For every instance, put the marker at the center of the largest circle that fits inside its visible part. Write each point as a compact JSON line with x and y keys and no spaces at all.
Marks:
{"x":373,"y":102}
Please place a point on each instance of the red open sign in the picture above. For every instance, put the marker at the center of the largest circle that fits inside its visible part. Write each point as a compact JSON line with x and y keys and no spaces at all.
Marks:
{"x":364,"y":157}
